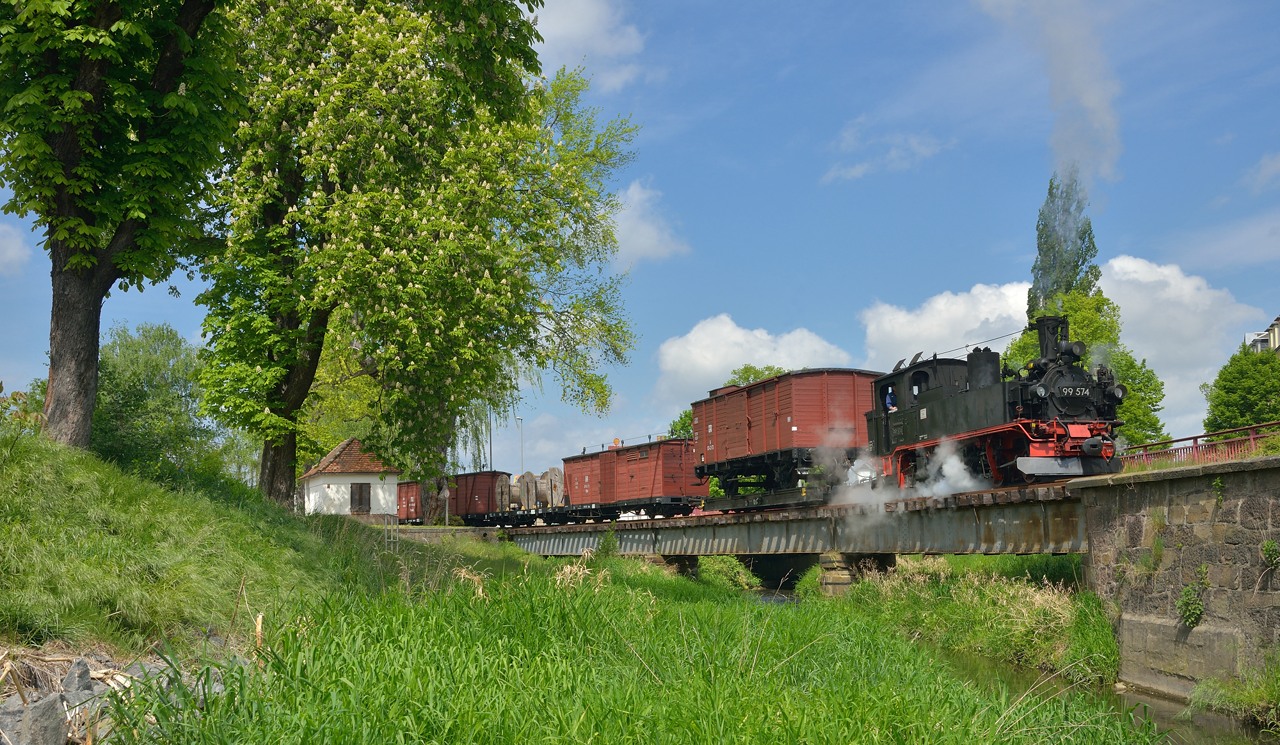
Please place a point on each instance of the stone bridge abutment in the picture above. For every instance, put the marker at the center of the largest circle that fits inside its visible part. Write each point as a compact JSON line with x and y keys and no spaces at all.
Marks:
{"x":1204,"y":533}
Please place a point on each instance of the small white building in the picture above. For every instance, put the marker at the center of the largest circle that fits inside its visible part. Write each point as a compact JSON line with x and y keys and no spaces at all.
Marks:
{"x":349,"y":481}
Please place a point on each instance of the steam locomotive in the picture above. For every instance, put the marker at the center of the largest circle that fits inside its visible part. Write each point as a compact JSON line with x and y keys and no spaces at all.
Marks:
{"x":1048,"y":421}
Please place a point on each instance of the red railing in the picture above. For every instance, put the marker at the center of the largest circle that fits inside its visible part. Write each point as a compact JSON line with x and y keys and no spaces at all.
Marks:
{"x":1213,"y":447}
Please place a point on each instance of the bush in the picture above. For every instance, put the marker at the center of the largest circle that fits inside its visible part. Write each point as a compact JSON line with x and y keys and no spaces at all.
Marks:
{"x":726,"y":571}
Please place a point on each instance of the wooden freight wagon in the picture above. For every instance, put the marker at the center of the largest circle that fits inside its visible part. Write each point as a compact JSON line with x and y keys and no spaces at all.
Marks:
{"x":779,"y":432}
{"x":654,"y":477}
{"x":409,"y":502}
{"x":480,"y":493}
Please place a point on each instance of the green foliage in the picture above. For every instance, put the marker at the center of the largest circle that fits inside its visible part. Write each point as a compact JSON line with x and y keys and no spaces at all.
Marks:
{"x":1095,"y":320}
{"x":1245,"y":392}
{"x":106,"y":556}
{"x":447,"y":257}
{"x":1253,"y":696}
{"x":147,"y":418}
{"x":809,"y":586}
{"x":1190,"y":602}
{"x":341,"y":405}
{"x":1020,"y":620}
{"x":1063,"y":569}
{"x":608,"y":546}
{"x":682,"y":426}
{"x":670,"y":661}
{"x":726,"y":572}
{"x":748,"y":374}
{"x":1065,"y":248}
{"x":1219,"y":490}
{"x":111,"y":124}
{"x":1270,"y":551}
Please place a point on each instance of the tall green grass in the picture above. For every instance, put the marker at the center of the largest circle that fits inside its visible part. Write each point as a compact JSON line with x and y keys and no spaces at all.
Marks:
{"x":89,"y":553}
{"x":599,"y":653}
{"x":1037,"y":624}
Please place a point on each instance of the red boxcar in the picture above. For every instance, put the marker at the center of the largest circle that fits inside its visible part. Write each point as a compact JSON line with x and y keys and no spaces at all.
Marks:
{"x":478,"y":493}
{"x":777,"y":429}
{"x":409,"y":502}
{"x":657,"y":477}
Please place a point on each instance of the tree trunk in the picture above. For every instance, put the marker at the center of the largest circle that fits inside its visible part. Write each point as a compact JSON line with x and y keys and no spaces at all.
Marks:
{"x":277,"y":477}
{"x":74,"y":324}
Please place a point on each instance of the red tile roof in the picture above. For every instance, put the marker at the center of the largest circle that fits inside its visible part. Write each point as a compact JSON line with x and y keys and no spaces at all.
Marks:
{"x":349,"y":457}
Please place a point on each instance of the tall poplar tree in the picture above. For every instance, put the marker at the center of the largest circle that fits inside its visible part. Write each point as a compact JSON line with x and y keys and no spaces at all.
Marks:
{"x":112,"y":114}
{"x":1065,"y":249}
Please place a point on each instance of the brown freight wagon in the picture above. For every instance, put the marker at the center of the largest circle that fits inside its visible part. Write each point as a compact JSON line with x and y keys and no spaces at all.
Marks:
{"x":409,"y":502}
{"x":656,"y":477}
{"x":777,"y":432}
{"x":473,"y":494}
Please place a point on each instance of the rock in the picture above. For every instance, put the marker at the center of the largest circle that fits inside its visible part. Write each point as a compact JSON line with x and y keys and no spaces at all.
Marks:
{"x":77,"y":678}
{"x":44,"y":723}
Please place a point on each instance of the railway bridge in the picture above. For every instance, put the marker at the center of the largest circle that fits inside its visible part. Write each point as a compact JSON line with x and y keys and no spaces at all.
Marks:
{"x":1148,"y":537}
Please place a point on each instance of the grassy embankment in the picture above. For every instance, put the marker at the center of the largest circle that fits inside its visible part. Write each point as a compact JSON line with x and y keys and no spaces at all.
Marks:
{"x":462,"y":643}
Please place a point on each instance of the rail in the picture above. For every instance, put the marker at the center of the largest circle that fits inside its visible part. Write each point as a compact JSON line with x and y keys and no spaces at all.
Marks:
{"x":1211,"y":447}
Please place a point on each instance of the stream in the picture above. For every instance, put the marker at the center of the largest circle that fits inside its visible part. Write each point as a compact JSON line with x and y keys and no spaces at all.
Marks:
{"x":1183,"y":727}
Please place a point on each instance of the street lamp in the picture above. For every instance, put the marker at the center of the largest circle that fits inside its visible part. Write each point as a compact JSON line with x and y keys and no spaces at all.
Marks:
{"x":520,"y":426}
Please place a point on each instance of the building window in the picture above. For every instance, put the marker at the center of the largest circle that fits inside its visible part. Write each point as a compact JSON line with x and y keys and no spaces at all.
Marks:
{"x":360,"y":498}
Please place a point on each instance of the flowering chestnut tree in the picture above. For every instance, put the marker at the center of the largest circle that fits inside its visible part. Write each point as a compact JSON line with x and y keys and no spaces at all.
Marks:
{"x":378,"y":207}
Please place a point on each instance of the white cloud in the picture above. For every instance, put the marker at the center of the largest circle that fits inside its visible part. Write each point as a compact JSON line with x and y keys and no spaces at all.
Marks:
{"x":1081,"y":86}
{"x":1264,"y":173}
{"x":1252,"y":241}
{"x":14,"y":251}
{"x":592,"y":33}
{"x":702,"y":359}
{"x":894,"y":151}
{"x":943,"y":323}
{"x":1184,"y":328}
{"x":643,"y":233}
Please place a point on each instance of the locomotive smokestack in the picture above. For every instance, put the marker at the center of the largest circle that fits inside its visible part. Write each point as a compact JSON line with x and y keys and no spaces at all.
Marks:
{"x":1050,"y":329}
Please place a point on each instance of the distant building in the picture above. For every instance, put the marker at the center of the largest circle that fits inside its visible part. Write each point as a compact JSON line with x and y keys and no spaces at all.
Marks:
{"x":1263,"y":341}
{"x":349,"y":481}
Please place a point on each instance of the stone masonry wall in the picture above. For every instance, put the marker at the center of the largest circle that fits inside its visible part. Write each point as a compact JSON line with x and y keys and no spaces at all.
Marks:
{"x":1151,"y":534}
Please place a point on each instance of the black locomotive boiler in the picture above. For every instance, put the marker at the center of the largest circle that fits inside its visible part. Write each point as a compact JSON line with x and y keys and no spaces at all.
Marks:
{"x":1049,"y":420}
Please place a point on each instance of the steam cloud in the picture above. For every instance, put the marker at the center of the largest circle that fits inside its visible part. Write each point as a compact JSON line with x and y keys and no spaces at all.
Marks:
{"x":1086,"y":129}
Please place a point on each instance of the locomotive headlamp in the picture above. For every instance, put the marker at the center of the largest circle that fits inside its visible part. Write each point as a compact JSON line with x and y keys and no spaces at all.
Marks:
{"x":1041,"y":391}
{"x":1072,"y":349}
{"x":1117,"y":392}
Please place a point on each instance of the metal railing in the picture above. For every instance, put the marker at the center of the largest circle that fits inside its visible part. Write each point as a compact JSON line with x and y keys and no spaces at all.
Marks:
{"x":1212,"y":447}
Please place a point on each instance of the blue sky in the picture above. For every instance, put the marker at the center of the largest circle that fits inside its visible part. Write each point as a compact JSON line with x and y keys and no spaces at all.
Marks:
{"x":845,"y":184}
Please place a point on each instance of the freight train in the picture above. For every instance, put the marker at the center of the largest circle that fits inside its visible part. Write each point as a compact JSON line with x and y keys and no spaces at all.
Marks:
{"x":792,"y":439}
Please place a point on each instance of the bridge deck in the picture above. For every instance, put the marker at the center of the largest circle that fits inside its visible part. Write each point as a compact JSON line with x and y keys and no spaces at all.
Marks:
{"x":1025,"y":520}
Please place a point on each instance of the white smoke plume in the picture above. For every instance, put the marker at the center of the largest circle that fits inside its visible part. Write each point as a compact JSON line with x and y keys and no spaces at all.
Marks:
{"x":947,"y":474}
{"x":1081,"y":86}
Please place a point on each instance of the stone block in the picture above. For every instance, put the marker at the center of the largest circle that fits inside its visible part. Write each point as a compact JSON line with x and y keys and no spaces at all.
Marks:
{"x":77,"y":677}
{"x":1255,"y":513}
{"x":44,"y":722}
{"x":1224,"y":576}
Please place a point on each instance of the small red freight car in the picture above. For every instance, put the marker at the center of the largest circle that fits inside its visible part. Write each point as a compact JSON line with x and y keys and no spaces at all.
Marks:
{"x":777,"y":433}
{"x":480,"y":493}
{"x":409,"y":502}
{"x":656,"y":477}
